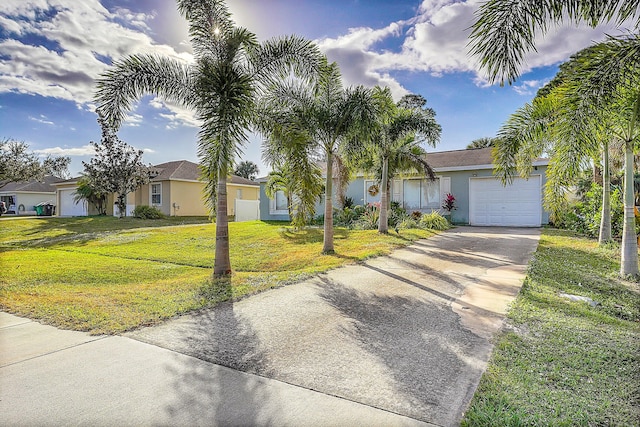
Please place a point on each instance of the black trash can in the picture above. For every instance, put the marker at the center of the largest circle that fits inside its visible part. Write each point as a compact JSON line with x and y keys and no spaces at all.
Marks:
{"x":48,"y":210}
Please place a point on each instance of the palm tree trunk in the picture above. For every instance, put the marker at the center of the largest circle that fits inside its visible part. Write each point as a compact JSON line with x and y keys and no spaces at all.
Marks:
{"x":327,"y":247}
{"x":222,"y":263}
{"x":383,"y":222}
{"x":629,"y":262}
{"x":605,"y":217}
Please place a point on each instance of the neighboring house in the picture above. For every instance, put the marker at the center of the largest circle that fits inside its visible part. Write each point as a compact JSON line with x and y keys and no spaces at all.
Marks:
{"x":67,"y":206}
{"x":175,"y":189}
{"x":21,"y":198}
{"x":481,"y":199}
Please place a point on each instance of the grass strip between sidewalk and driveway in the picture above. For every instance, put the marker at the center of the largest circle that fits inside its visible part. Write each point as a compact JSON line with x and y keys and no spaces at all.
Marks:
{"x":561,"y":362}
{"x":109,"y":275}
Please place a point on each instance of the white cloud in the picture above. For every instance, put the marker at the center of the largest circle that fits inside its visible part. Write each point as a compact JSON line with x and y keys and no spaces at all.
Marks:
{"x":436,"y":41}
{"x":85,"y":150}
{"x":133,"y":120}
{"x":79,"y":33}
{"x":42,"y":119}
{"x":175,"y":115}
{"x":528,"y":87}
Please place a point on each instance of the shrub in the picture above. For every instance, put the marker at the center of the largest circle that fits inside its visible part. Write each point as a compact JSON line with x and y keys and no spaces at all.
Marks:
{"x":148,"y":212}
{"x":584,"y":216}
{"x":408,"y":222}
{"x":434,"y":221}
{"x":369,"y":218}
{"x":396,"y":214}
{"x":416,"y":215}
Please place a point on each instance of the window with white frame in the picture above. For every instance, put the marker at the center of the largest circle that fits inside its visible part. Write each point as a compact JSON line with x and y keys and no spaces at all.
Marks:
{"x":421,"y":194}
{"x":239,"y":194}
{"x":156,"y":194}
{"x":279,"y":204}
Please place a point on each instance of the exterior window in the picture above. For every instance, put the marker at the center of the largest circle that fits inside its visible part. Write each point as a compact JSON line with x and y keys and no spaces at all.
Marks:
{"x":421,"y":194}
{"x":281,"y":201}
{"x":279,"y":205}
{"x":239,"y":194}
{"x":156,"y":194}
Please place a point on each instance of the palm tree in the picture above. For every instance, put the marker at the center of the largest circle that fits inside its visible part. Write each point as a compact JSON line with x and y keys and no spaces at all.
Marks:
{"x":325,"y":118}
{"x":301,"y":183}
{"x":395,"y":144}
{"x":505,"y":30}
{"x":596,"y":101}
{"x":230,"y":70}
{"x":483,"y":142}
{"x":86,"y":192}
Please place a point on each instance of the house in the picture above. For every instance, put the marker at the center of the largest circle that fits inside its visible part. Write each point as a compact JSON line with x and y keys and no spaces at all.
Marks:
{"x":174,"y":188}
{"x":20,"y":198}
{"x":481,"y":199}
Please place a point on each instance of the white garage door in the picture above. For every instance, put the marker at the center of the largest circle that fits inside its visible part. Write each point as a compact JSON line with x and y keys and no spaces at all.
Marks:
{"x":518,"y":204}
{"x":68,"y":207}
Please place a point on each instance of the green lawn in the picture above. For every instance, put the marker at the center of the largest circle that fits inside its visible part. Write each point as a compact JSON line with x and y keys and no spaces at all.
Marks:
{"x":565,"y":363}
{"x":109,"y":275}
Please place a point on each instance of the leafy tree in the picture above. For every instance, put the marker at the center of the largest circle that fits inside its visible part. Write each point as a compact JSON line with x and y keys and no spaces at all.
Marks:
{"x":116,"y":167}
{"x":594,"y":101}
{"x":301,"y":186}
{"x":17,"y":164}
{"x":322,"y":117}
{"x":230,"y":70}
{"x":505,"y":30}
{"x":483,"y":142}
{"x":395,"y":144}
{"x":86,"y":192}
{"x":247,"y":169}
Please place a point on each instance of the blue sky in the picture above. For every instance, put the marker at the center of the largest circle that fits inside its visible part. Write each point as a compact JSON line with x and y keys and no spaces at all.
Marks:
{"x":52,"y":50}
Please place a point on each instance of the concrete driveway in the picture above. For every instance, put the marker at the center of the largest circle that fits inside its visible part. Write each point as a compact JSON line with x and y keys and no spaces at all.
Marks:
{"x":409,"y":333}
{"x":399,"y":340}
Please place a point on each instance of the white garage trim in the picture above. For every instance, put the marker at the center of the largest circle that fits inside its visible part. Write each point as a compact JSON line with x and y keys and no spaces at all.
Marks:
{"x":68,"y":207}
{"x":516,"y":205}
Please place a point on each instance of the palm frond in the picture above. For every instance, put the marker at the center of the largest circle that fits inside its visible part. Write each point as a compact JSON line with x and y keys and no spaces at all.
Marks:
{"x":137,"y":75}
{"x":504,"y":30}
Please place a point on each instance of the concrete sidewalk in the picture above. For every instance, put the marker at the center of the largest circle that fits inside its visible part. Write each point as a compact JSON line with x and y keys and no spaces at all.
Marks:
{"x":50,"y":377}
{"x":398,"y":340}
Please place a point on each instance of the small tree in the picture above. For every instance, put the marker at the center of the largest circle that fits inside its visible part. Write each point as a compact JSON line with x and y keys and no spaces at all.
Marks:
{"x":116,"y":168}
{"x":18,"y":164}
{"x":247,"y":169}
{"x":86,"y":192}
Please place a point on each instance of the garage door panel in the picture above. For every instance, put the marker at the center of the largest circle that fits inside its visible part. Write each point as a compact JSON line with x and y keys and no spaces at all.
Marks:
{"x":68,"y":206}
{"x":519,"y":204}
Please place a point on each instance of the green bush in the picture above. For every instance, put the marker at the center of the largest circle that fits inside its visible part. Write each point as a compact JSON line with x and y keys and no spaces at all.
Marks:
{"x":148,"y":212}
{"x":584,"y":216}
{"x":434,"y":221}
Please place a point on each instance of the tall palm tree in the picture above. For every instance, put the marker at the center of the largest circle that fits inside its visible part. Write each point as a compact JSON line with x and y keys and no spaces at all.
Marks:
{"x":598,"y":101}
{"x":395,"y":144}
{"x":328,"y":118}
{"x":230,"y":69}
{"x":505,"y":30}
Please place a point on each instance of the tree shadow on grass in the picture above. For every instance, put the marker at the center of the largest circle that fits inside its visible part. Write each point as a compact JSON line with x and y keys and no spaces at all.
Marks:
{"x":82,"y":230}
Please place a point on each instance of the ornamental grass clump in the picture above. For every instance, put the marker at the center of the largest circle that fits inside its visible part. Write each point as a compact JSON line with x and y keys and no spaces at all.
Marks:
{"x":433,"y":221}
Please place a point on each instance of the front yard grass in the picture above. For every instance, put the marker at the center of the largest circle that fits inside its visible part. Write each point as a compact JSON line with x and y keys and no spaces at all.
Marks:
{"x":561,"y":362}
{"x":109,"y":275}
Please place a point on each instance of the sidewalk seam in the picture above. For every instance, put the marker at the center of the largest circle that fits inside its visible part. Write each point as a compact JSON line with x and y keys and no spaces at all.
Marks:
{"x":55,"y":351}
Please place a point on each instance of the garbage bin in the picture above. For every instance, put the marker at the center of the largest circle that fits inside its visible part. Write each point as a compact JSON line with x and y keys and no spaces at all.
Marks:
{"x":48,"y":209}
{"x":39,"y":210}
